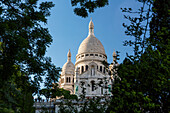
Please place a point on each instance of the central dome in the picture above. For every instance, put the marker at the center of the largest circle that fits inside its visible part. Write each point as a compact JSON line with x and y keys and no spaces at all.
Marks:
{"x":91,"y":44}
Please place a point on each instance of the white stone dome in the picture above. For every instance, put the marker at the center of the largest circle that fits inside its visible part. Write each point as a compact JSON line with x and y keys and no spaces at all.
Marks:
{"x":68,"y":67}
{"x":91,"y":44}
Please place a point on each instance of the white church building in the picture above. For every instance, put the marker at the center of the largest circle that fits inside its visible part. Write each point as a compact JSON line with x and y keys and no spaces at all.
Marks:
{"x":88,"y":71}
{"x":87,"y":75}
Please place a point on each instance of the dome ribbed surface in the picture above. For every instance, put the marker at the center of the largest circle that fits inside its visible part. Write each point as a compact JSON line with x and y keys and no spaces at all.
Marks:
{"x":68,"y":66}
{"x":91,"y":45}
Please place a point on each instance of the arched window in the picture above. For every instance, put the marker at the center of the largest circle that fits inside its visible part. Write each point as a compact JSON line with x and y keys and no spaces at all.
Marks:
{"x":92,"y":85}
{"x":92,"y":71}
{"x":69,"y":79}
{"x":101,"y":68}
{"x":82,"y":69}
{"x":101,"y":90}
{"x":82,"y":55}
{"x":104,"y":70}
{"x":86,"y":67}
{"x":78,"y":70}
{"x":66,"y":79}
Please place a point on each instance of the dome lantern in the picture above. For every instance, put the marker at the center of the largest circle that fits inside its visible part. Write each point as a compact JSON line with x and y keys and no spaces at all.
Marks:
{"x":69,"y":56}
{"x":91,"y":44}
{"x":91,"y":27}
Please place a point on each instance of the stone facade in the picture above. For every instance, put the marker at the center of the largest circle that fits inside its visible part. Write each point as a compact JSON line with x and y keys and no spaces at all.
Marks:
{"x":87,"y":73}
{"x":88,"y":70}
{"x":67,"y":75}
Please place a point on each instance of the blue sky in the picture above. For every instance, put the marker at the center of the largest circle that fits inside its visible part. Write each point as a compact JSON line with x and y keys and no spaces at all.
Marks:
{"x":69,"y":30}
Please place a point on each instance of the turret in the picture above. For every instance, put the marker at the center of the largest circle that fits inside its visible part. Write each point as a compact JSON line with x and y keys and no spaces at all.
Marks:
{"x":69,"y":56}
{"x":91,"y":27}
{"x":114,"y":56}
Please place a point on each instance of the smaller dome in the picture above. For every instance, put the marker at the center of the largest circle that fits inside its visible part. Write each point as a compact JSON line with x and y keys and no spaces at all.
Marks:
{"x":68,"y":66}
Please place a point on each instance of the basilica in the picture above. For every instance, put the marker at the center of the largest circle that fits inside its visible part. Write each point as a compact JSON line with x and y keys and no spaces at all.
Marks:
{"x":88,"y":73}
{"x":88,"y":76}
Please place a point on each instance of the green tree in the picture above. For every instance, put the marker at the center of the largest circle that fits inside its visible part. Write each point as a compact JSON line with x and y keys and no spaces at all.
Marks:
{"x":23,"y":43}
{"x":145,"y":75}
{"x":84,"y":7}
{"x":19,"y":94}
{"x":143,"y":78}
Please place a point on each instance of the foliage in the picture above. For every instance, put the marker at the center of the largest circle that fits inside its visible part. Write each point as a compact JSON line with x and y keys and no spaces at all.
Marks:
{"x":144,"y":82}
{"x":19,"y":95}
{"x":23,"y":43}
{"x":141,"y":81}
{"x":95,"y":104}
{"x":83,"y":7}
{"x":57,"y":92}
{"x":145,"y":75}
